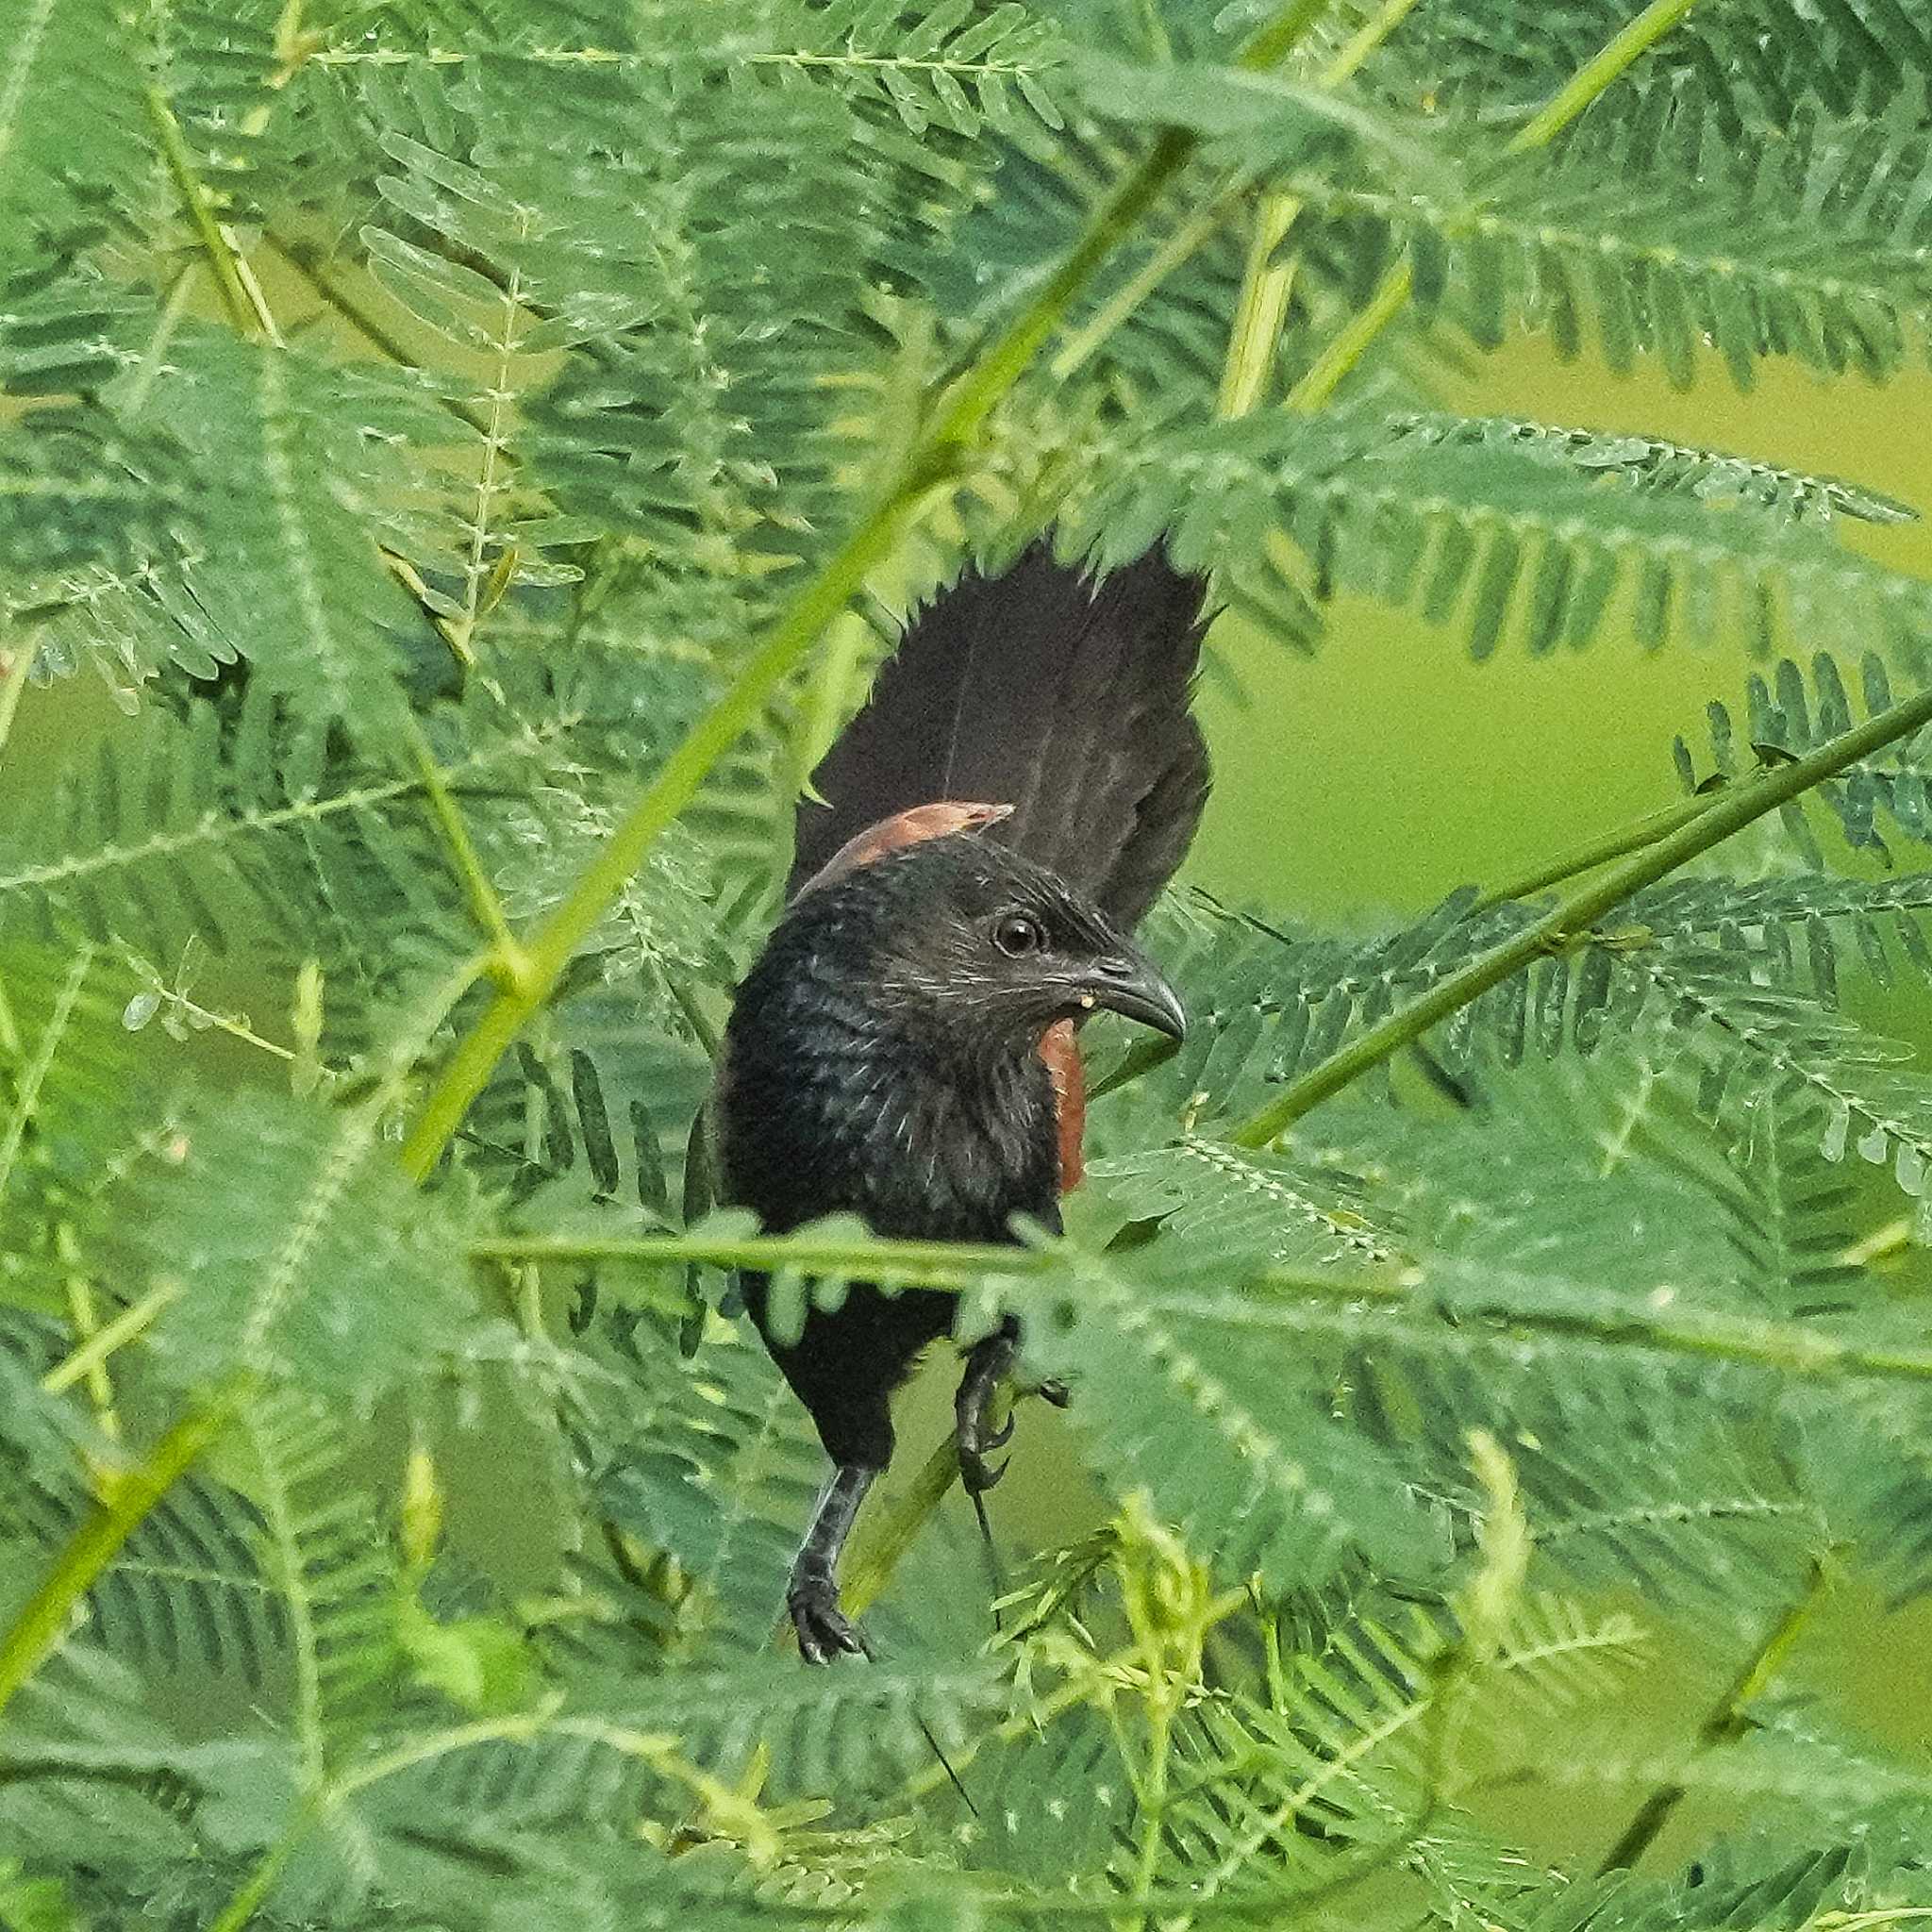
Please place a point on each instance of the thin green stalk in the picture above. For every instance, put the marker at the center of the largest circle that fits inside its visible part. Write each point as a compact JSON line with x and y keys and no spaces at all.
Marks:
{"x":1269,"y":276}
{"x":1323,"y":375}
{"x":1728,"y":1721}
{"x":29,"y":1079}
{"x":1357,"y":48}
{"x":1266,"y":283}
{"x":1631,"y":838}
{"x":44,"y":1622}
{"x":1152,"y":1792}
{"x":268,"y":1868}
{"x":1790,"y":1347}
{"x":1787,"y":1347}
{"x":1573,"y":915}
{"x":485,"y":907}
{"x":1080,"y":348}
{"x":82,"y":1317}
{"x":155,"y":354}
{"x":918,"y":1265}
{"x":1619,"y":54}
{"x":934,"y":458}
{"x":13,"y":676}
{"x":132,"y":1321}
{"x":876,"y":1551}
{"x":244,"y":310}
{"x":1390,"y":298}
{"x":1266,"y":280}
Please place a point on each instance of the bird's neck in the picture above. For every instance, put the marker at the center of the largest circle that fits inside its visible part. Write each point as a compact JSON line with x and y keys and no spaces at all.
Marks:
{"x":839,"y":1103}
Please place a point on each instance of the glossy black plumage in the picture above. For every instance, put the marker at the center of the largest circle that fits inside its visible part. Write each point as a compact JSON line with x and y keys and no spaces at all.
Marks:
{"x":861,"y":1075}
{"x":883,"y":1057}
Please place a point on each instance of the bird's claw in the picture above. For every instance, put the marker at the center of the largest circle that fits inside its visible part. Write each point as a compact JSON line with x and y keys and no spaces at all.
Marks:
{"x":1053,"y":1390}
{"x":975,"y":1471}
{"x":824,"y":1631}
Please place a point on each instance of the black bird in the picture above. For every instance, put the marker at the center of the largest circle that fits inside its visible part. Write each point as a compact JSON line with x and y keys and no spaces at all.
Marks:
{"x":885,"y":1054}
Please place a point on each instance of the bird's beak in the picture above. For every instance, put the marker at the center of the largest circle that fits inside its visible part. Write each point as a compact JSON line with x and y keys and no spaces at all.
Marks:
{"x":1129,"y":984}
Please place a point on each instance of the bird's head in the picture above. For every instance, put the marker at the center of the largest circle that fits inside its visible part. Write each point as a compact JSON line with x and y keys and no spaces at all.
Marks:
{"x":965,"y":940}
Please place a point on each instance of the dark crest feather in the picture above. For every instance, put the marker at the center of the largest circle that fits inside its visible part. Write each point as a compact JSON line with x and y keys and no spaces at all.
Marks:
{"x":1042,"y":688}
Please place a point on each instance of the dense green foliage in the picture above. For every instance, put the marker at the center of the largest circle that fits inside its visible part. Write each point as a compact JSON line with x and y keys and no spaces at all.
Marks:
{"x":485,"y":444}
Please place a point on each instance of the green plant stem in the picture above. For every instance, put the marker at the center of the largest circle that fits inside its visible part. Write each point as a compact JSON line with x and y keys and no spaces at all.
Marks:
{"x":132,"y":1321}
{"x":268,"y":1868}
{"x":1266,"y":283}
{"x":1269,"y":277}
{"x":244,"y":305}
{"x":1572,"y":917}
{"x":1323,"y":375}
{"x":42,"y":1625}
{"x":1790,"y":1347}
{"x":1374,"y":31}
{"x":935,"y":458}
{"x":1080,"y":348}
{"x":13,"y":676}
{"x":1152,"y":1791}
{"x":1631,"y":838}
{"x":918,"y":1265}
{"x":154,"y":356}
{"x":1617,"y":56}
{"x":81,"y":1318}
{"x":485,"y":907}
{"x":1728,"y":1721}
{"x":890,"y":1532}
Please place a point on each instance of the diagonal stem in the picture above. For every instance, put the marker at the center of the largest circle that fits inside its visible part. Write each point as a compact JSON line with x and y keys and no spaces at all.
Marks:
{"x":1617,"y":56}
{"x":41,"y":1626}
{"x":1574,"y":914}
{"x":240,"y":294}
{"x":1728,"y":1721}
{"x":507,"y":958}
{"x":1600,"y":851}
{"x":1268,"y":276}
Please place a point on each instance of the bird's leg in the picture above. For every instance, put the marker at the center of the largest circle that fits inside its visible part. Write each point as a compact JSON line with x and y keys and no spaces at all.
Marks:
{"x":986,"y":1361}
{"x":812,"y":1597}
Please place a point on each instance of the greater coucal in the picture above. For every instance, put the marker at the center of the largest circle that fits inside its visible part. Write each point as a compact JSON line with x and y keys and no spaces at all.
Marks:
{"x":1024,"y":781}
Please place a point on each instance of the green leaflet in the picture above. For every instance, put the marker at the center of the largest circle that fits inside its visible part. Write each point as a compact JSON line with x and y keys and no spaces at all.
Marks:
{"x":296,"y":1247}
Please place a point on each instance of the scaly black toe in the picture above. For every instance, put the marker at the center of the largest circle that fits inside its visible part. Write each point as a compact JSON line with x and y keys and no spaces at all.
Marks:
{"x":823,"y":1629}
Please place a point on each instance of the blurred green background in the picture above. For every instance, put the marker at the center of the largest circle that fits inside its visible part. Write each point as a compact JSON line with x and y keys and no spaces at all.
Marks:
{"x":1354,"y":787}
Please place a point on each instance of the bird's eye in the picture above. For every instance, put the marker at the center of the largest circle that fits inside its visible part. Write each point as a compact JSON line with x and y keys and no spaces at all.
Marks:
{"x":1016,"y":934}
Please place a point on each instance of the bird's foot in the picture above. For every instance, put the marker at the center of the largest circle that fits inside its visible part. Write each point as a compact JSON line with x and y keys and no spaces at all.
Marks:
{"x":977,"y":1442}
{"x":824,"y":1631}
